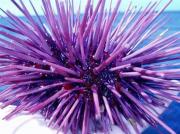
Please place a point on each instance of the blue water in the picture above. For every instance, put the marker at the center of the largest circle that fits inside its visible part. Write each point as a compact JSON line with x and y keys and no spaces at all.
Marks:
{"x":172,"y":115}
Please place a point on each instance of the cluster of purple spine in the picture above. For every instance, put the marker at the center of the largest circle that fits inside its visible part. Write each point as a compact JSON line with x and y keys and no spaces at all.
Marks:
{"x":82,"y":72}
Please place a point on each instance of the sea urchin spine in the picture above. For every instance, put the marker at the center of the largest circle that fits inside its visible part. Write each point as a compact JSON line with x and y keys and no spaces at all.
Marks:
{"x":82,"y":72}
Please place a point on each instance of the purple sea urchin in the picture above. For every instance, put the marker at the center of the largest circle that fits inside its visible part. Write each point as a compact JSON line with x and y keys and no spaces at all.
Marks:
{"x":81,"y":73}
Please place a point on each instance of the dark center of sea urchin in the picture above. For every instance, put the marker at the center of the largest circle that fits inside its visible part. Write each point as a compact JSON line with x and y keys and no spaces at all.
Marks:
{"x":87,"y":76}
{"x":87,"y":73}
{"x":82,"y":72}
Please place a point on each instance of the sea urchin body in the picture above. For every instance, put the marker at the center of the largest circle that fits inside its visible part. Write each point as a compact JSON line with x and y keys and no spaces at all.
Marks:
{"x":85,"y":74}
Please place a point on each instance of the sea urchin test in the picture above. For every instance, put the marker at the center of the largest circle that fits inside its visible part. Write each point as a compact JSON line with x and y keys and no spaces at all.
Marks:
{"x":84,"y":72}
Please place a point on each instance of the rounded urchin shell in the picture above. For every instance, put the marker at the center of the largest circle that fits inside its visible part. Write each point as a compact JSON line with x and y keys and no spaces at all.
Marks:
{"x":82,"y":72}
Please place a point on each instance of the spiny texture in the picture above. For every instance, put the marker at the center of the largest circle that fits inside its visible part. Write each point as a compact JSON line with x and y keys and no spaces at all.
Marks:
{"x":83,"y":72}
